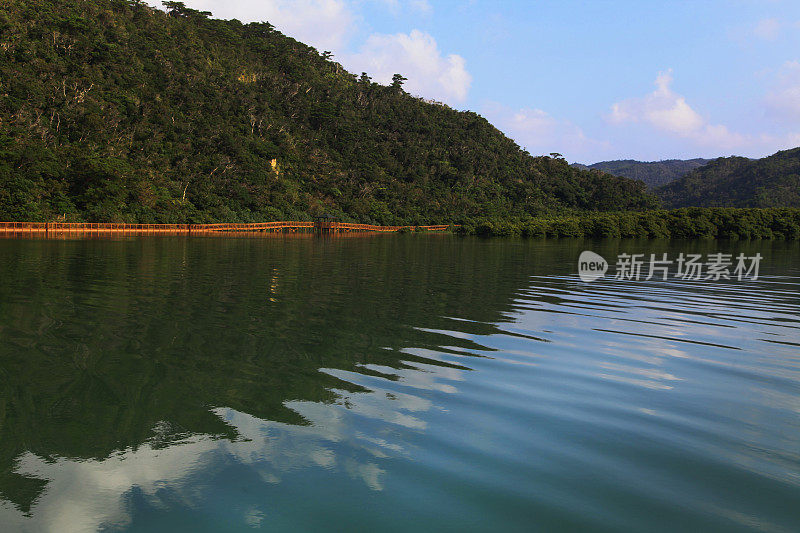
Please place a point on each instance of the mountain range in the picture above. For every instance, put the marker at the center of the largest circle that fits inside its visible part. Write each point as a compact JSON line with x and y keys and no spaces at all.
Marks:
{"x":772,"y":181}
{"x":652,"y":173}
{"x":115,"y":111}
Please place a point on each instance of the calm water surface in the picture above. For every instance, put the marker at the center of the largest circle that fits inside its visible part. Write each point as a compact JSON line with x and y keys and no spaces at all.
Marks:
{"x":395,"y":383}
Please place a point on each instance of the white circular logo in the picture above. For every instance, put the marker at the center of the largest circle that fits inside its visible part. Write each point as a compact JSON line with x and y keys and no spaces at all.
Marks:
{"x":591,"y":266}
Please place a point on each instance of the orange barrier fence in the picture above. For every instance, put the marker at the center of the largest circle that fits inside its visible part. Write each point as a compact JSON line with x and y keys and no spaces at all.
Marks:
{"x":68,"y":228}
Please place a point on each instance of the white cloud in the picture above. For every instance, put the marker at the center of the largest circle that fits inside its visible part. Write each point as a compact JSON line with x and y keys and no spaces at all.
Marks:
{"x":416,"y":56}
{"x":768,"y":29}
{"x":323,"y":24}
{"x":783,"y":101}
{"x":541,"y":133}
{"x":333,"y":24}
{"x":669,"y":112}
{"x":421,"y":6}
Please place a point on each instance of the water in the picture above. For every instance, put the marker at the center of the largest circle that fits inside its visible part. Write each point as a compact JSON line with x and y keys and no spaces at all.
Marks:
{"x":395,"y":383}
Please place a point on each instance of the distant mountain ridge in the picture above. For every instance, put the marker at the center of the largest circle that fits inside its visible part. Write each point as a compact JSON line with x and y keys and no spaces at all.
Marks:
{"x":772,"y":181}
{"x":653,"y":173}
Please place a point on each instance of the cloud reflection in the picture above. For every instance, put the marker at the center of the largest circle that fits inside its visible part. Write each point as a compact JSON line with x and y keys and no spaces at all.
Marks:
{"x":92,"y":494}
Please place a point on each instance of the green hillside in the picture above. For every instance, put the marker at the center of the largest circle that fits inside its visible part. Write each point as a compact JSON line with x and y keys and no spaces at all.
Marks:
{"x":773,"y":181}
{"x":114,"y":111}
{"x":652,"y":173}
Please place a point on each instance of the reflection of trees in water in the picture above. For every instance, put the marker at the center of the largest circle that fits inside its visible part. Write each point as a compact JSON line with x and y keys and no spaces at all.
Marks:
{"x":105,"y":341}
{"x":86,"y":495}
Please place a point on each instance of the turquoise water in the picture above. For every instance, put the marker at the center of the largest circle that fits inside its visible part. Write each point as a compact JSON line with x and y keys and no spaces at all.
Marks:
{"x":393,"y":383}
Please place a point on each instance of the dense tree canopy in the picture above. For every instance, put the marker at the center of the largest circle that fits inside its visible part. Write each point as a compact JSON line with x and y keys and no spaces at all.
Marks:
{"x":114,"y":111}
{"x":773,"y":181}
{"x":686,"y":223}
{"x":652,"y":173}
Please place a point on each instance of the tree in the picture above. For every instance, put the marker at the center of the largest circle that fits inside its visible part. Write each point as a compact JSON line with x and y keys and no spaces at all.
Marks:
{"x":397,"y":81}
{"x":179,"y":9}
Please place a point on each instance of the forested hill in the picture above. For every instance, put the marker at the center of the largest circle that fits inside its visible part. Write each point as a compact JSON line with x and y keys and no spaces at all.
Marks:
{"x":652,"y":173}
{"x":114,"y":111}
{"x":773,"y":181}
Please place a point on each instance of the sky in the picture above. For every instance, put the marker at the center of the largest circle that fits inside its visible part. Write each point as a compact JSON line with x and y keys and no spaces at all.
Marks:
{"x":593,"y":80}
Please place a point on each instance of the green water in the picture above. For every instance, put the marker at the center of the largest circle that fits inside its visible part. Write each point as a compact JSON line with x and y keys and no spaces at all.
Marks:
{"x":396,"y":383}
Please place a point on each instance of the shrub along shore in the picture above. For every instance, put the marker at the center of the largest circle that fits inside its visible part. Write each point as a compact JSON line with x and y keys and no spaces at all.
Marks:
{"x":685,"y":223}
{"x":772,"y":223}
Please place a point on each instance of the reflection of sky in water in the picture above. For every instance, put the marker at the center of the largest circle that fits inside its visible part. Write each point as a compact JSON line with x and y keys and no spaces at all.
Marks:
{"x":86,"y":495}
{"x":602,"y":400}
{"x":640,"y":325}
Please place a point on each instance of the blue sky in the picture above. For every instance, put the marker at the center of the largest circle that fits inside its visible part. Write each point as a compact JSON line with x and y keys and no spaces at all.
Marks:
{"x":594,"y":80}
